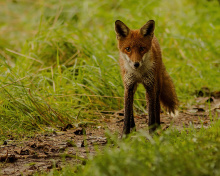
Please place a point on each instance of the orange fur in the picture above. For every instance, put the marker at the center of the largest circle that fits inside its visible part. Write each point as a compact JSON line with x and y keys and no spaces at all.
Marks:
{"x":141,"y":62}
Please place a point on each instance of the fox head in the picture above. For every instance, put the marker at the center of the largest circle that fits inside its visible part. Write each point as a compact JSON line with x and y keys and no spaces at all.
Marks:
{"x":134,"y":45}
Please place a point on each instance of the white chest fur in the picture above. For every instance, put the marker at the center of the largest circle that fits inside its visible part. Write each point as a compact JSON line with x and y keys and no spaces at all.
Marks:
{"x":143,"y":74}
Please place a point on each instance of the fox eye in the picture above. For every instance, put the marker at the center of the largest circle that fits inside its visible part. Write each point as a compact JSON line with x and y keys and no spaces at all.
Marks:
{"x":128,"y":49}
{"x":142,"y":48}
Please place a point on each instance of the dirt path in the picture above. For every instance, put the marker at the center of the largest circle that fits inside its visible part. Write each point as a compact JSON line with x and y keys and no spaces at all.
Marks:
{"x":73,"y":145}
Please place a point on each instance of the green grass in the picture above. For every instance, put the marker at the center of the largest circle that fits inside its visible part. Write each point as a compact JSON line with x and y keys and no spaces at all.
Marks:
{"x":54,"y":54}
{"x":59,"y":59}
{"x":172,"y":153}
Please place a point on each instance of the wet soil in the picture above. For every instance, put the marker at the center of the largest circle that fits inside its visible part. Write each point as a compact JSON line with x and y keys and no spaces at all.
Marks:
{"x":73,"y":145}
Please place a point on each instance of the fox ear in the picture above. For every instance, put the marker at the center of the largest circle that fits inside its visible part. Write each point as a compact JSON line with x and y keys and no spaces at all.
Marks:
{"x":121,"y":29}
{"x":148,"y":28}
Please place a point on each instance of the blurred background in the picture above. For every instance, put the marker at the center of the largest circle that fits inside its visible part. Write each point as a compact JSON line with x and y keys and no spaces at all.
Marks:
{"x":59,"y":59}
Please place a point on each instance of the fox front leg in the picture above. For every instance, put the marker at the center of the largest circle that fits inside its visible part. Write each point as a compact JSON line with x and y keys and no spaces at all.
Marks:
{"x":128,"y":108}
{"x":153,"y":110}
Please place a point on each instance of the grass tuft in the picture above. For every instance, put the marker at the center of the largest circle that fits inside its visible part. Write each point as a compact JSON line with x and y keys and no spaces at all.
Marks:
{"x":59,"y":65}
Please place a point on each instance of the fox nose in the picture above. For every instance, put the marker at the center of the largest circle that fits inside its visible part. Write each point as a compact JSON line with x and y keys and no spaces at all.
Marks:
{"x":136,"y":64}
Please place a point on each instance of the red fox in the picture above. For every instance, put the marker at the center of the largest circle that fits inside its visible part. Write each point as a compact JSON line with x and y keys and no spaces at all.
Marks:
{"x":141,"y":62}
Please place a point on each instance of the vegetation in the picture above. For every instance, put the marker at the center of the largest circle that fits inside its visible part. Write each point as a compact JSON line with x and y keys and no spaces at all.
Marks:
{"x":172,"y":153}
{"x":59,"y":65}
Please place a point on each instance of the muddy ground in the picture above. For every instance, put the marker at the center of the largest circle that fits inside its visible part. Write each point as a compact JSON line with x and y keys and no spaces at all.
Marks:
{"x":72,"y":145}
